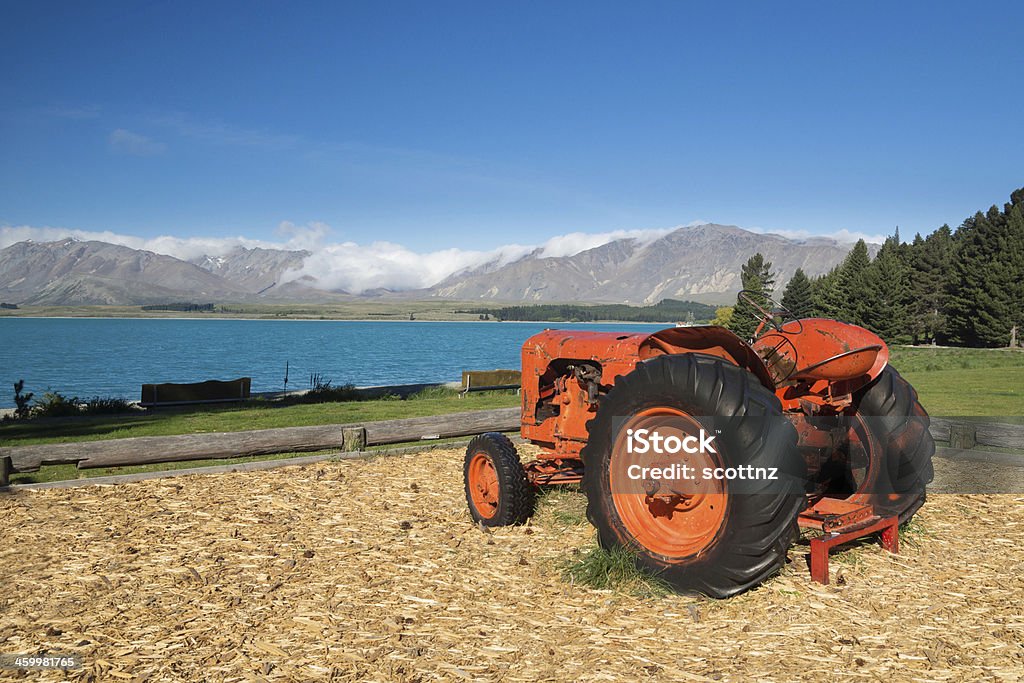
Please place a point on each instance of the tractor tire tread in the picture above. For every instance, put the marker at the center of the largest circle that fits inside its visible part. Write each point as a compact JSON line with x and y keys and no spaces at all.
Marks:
{"x":901,"y":427}
{"x":516,"y":494}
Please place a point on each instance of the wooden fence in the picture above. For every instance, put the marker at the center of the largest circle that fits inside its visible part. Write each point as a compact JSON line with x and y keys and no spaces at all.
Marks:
{"x":145,"y":450}
{"x":964,"y":439}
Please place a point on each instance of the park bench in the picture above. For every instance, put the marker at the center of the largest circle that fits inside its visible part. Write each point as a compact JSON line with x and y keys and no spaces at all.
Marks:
{"x":211,"y":391}
{"x":489,"y":380}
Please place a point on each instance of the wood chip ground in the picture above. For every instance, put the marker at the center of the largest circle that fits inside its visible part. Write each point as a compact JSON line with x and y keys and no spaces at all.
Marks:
{"x":372,"y":571}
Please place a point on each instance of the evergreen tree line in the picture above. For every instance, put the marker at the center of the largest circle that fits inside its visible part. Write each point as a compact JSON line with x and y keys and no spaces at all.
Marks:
{"x":962,"y":287}
{"x":185,"y":307}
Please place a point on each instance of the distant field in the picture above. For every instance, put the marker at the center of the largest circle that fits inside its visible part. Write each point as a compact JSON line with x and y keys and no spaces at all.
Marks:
{"x":965,"y":382}
{"x":436,"y":310}
{"x":355,"y":310}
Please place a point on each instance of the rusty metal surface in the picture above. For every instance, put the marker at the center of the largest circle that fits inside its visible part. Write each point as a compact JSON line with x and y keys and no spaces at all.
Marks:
{"x":821,"y":348}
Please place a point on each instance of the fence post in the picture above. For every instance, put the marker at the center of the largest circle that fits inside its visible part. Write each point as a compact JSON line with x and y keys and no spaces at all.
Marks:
{"x":6,"y":467}
{"x":353,"y":439}
{"x":963,"y":436}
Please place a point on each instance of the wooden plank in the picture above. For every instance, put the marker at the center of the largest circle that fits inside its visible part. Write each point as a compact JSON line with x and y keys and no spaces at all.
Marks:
{"x":1001,"y":435}
{"x":145,"y":450}
{"x":442,"y":426}
{"x":998,"y":434}
{"x":256,"y":466}
{"x":939,"y":429}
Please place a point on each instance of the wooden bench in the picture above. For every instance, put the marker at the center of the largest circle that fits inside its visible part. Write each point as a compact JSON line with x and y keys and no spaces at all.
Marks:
{"x":211,"y":391}
{"x":489,"y":380}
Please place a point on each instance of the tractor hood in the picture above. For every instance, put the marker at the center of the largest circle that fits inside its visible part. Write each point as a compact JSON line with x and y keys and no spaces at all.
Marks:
{"x":618,"y":353}
{"x":814,"y":349}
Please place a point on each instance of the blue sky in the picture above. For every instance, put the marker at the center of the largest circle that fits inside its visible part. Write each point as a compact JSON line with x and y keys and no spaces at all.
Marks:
{"x":473,"y":125}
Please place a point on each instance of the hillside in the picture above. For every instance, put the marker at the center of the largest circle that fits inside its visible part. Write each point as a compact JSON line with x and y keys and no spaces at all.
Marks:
{"x":700,"y":263}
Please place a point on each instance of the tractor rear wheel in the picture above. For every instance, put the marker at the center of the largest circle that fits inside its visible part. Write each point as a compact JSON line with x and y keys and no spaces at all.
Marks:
{"x":717,"y":537}
{"x":889,"y":429}
{"x":497,"y":490}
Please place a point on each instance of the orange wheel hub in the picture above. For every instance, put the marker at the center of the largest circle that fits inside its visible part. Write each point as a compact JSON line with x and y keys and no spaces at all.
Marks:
{"x":483,"y":485}
{"x":672,"y":516}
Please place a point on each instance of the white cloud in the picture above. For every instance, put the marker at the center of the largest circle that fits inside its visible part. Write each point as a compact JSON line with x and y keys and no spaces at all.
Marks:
{"x":575,"y":242}
{"x":124,"y":141}
{"x":356,"y":268}
{"x":844,"y":236}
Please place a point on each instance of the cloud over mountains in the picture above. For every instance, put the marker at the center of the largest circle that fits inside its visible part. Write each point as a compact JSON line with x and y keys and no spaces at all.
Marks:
{"x":348,"y":265}
{"x":357,"y":268}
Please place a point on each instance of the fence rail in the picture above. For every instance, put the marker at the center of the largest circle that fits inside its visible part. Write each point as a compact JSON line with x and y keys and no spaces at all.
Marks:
{"x":962,"y":436}
{"x":145,"y":450}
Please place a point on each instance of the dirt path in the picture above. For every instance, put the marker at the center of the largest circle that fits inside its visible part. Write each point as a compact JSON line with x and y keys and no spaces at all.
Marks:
{"x":371,"y":570}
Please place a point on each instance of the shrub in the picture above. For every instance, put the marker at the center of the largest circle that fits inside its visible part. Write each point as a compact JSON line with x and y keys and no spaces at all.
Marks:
{"x":23,"y":410}
{"x":325,"y":393}
{"x":56,"y":404}
{"x":107,"y":406}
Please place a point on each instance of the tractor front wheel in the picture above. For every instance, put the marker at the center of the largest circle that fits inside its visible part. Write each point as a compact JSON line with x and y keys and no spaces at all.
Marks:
{"x":715,"y":536}
{"x":497,"y":490}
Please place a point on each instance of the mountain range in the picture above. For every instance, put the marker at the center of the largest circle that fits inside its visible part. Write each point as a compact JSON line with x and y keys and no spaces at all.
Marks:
{"x":700,"y":263}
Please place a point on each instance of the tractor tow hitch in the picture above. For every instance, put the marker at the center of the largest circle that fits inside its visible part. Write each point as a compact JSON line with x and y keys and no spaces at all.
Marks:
{"x":841,"y":522}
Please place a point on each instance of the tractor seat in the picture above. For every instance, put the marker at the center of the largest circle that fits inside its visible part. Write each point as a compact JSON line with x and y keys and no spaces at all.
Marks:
{"x":841,"y":366}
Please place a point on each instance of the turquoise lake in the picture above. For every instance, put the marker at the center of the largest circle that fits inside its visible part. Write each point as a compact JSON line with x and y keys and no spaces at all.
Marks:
{"x":88,"y":357}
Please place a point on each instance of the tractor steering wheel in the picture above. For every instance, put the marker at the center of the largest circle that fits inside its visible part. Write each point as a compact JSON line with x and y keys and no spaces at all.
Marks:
{"x":768,"y":317}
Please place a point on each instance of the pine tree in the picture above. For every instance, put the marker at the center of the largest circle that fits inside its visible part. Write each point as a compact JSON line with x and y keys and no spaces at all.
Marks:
{"x":883,"y":309}
{"x":757,"y":277}
{"x":931,"y":262}
{"x":851,"y":286}
{"x":798,"y":298}
{"x":986,"y":299}
{"x":828,"y":300}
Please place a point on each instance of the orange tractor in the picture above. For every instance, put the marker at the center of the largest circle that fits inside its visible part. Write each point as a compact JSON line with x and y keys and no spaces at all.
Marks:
{"x":706,"y":454}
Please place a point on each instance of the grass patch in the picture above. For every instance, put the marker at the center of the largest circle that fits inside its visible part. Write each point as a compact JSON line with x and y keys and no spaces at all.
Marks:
{"x":931,"y":359}
{"x":964,"y":382}
{"x":913,"y":532}
{"x":435,"y":392}
{"x":992,"y":392}
{"x":615,"y":570}
{"x":561,"y":505}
